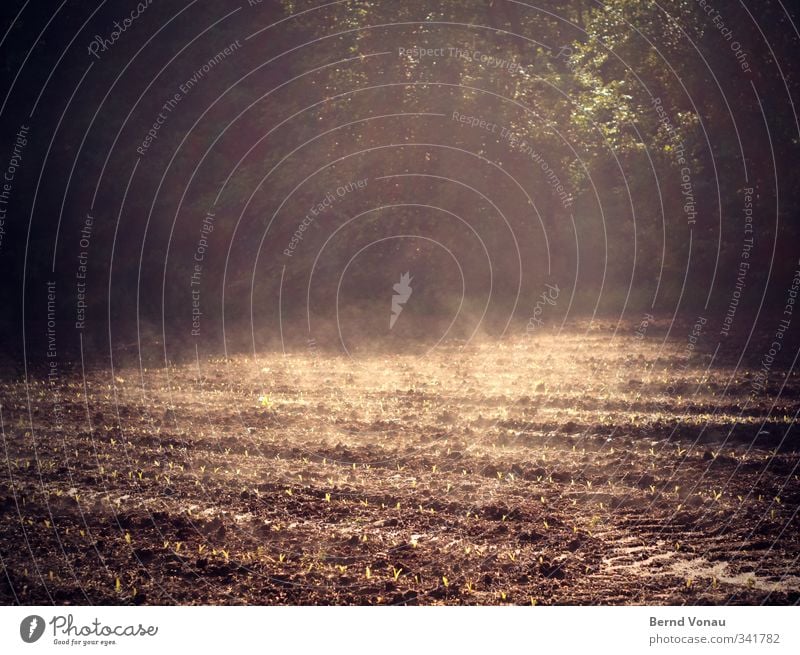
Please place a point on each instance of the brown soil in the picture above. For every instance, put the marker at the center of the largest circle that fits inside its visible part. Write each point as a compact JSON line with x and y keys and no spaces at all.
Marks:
{"x":572,"y":470}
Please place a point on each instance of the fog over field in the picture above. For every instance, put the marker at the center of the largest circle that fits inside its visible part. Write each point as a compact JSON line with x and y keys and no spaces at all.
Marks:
{"x":394,"y":303}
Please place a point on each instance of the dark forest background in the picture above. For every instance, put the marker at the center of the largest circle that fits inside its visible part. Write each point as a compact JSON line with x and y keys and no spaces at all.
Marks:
{"x":322,"y":97}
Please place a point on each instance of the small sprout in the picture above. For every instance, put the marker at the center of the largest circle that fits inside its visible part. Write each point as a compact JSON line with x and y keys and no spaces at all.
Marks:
{"x":396,"y":573}
{"x":118,"y":585}
{"x":128,"y":537}
{"x":282,"y":558}
{"x":327,"y":498}
{"x":445,"y":582}
{"x":367,"y":573}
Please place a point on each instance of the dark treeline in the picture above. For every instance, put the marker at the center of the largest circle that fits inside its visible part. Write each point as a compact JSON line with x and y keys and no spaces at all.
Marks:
{"x":250,"y":160}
